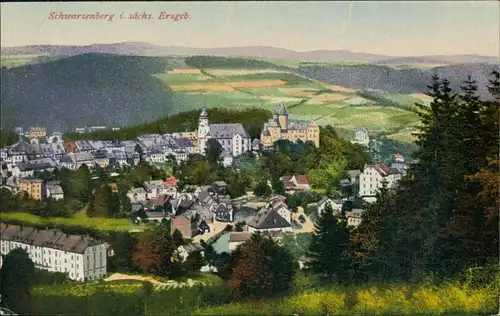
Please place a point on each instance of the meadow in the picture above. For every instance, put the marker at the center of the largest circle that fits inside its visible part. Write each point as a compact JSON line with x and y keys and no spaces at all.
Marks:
{"x":397,"y":299}
{"x":129,"y":298}
{"x":306,"y":99}
{"x":16,"y":61}
{"x":78,"y":219}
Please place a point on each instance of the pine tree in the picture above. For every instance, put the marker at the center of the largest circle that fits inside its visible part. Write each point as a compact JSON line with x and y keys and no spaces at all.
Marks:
{"x":328,"y":248}
{"x":370,"y":242}
{"x":16,"y":278}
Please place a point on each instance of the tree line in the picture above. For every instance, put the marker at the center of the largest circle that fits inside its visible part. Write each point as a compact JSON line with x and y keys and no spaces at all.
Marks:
{"x":252,"y":119}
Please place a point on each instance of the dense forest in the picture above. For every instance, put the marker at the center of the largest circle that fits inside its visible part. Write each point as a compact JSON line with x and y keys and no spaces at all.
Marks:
{"x":88,"y":89}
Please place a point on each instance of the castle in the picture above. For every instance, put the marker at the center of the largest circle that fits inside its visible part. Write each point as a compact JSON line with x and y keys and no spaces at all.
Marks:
{"x":279,"y":128}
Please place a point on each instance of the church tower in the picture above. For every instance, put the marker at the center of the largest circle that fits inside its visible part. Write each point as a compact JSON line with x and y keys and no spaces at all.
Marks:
{"x":283,"y":117}
{"x":203,"y":131}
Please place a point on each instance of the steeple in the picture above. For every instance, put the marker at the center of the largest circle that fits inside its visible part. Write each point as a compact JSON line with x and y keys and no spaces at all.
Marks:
{"x":204,"y":113}
{"x":282,"y":109}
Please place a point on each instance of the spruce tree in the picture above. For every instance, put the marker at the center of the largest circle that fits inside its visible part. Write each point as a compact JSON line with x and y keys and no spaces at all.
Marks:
{"x":329,"y":246}
{"x":370,"y":242}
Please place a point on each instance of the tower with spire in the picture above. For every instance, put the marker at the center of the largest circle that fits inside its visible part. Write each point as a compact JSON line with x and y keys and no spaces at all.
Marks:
{"x":282,"y":117}
{"x":203,"y":131}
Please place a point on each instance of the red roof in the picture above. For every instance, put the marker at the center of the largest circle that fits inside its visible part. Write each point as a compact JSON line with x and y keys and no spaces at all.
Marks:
{"x":398,"y":155}
{"x":382,"y":169}
{"x":301,"y":179}
{"x":70,"y":146}
{"x":171,"y":182}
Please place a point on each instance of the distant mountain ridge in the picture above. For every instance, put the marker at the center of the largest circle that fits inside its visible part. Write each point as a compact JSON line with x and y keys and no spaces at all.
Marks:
{"x":147,"y":49}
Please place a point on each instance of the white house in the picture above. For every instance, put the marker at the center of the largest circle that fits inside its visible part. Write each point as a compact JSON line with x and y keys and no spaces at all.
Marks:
{"x":268,"y":220}
{"x":372,"y":177}
{"x":280,"y":207}
{"x":335,"y":204}
{"x":155,"y":188}
{"x":54,"y":191}
{"x":237,"y":238}
{"x":156,"y":156}
{"x":81,"y":257}
{"x":295,"y":183}
{"x":361,"y":137}
{"x":184,"y":251}
{"x":137,"y":195}
{"x":354,"y":217}
{"x":68,"y":161}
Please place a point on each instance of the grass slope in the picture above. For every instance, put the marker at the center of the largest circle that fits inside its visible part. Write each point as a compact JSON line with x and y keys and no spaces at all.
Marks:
{"x":78,"y":219}
{"x":449,"y":299}
{"x":225,"y":82}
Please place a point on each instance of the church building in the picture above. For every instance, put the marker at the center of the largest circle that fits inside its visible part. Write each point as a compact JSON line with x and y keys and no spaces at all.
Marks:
{"x":233,"y":137}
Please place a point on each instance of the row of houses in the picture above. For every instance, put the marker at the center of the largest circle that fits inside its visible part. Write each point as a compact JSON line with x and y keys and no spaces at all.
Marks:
{"x":80,"y":257}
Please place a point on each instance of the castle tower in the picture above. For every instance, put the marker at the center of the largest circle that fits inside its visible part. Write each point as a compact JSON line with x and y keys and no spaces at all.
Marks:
{"x":283,"y":117}
{"x":203,"y":131}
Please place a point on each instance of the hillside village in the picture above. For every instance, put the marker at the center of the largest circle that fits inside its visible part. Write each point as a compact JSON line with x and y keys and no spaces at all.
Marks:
{"x":200,"y":213}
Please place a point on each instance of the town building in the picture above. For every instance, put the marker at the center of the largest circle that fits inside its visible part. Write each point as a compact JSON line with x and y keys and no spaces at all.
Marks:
{"x":35,"y":188}
{"x":361,"y":137}
{"x":233,"y":137}
{"x":354,"y":217}
{"x":237,"y":238}
{"x":372,"y":178}
{"x":398,"y":162}
{"x":80,"y":257}
{"x":336,"y":205}
{"x":268,"y":220}
{"x":54,"y":191}
{"x":35,"y":132}
{"x":295,"y":183}
{"x":185,"y":225}
{"x":279,"y":127}
{"x":185,"y":250}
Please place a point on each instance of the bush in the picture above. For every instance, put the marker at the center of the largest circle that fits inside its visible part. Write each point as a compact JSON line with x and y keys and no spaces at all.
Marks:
{"x":43,"y":277}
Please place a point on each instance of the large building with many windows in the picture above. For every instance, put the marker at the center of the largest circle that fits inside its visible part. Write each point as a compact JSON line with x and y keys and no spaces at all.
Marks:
{"x":280,"y":128}
{"x":35,"y":188}
{"x":81,"y":257}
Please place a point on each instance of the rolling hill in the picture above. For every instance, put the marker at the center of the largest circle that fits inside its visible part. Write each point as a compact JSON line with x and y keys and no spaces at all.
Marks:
{"x":117,"y":90}
{"x":85,"y":89}
{"x":147,"y":49}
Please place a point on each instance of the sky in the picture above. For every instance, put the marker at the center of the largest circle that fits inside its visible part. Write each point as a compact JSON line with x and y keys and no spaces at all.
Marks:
{"x":393,"y":28}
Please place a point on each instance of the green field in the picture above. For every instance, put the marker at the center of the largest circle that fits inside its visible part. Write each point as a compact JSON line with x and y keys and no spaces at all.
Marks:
{"x":78,"y":219}
{"x":305,"y":98}
{"x":16,"y":61}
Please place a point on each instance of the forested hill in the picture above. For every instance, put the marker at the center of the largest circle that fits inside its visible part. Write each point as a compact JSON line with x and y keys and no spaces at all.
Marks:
{"x":115,"y":90}
{"x":389,"y":79}
{"x":89,"y":89}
